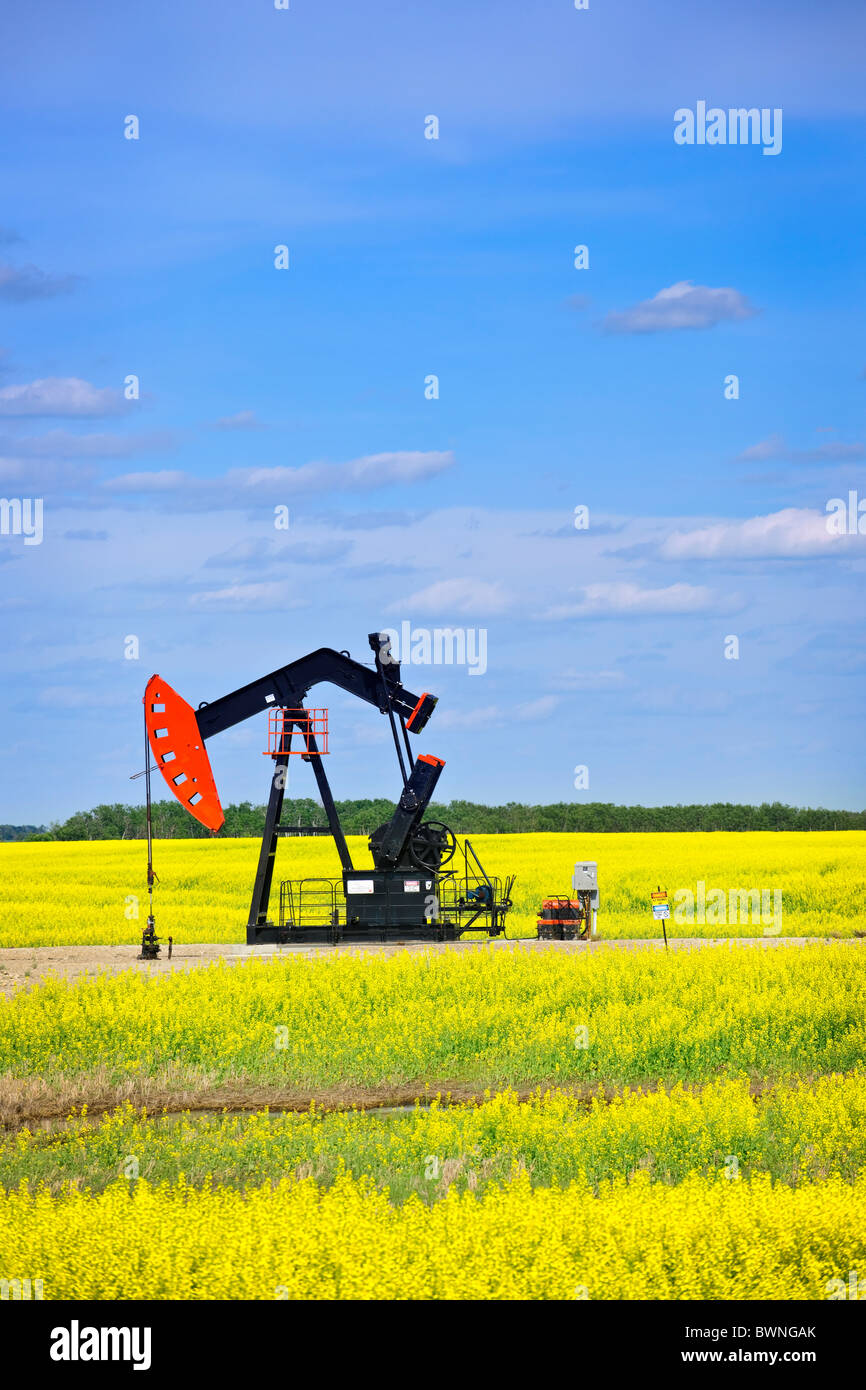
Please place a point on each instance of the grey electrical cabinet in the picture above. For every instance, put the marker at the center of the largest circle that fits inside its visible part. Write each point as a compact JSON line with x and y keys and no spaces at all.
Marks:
{"x":586,"y":880}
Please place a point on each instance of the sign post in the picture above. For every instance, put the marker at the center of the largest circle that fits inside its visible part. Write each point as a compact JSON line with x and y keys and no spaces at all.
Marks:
{"x":661,"y":909}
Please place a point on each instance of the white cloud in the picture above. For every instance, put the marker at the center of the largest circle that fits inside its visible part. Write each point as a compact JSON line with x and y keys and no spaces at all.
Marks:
{"x":481,"y":718}
{"x":683,"y":305}
{"x":370,"y":471}
{"x":244,"y":597}
{"x":485,"y":717}
{"x":791,"y":532}
{"x":627,"y":598}
{"x":243,"y":420}
{"x":60,"y":395}
{"x":45,"y":475}
{"x":774,"y":447}
{"x":264,"y":552}
{"x":455,"y":596}
{"x":542,"y":708}
{"x":243,"y":486}
{"x":65,"y":444}
{"x":76,"y":697}
{"x":160,"y":480}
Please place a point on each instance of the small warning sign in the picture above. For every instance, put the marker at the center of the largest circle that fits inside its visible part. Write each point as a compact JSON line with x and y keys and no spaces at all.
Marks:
{"x":659,"y":898}
{"x":661,"y":910}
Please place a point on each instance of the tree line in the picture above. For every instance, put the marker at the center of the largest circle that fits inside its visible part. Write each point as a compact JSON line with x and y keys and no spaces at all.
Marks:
{"x":361,"y":817}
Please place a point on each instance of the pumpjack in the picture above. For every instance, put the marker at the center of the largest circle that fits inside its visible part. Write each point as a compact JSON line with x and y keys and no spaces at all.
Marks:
{"x":409,"y":894}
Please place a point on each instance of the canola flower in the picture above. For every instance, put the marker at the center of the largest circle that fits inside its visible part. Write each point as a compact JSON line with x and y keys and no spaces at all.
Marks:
{"x":705,"y":1238}
{"x":735,"y":1179}
{"x":80,"y":893}
{"x":498,"y":1018}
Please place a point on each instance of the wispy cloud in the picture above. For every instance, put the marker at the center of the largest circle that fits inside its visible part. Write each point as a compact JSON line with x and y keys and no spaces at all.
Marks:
{"x":627,"y":599}
{"x":486,"y":716}
{"x":774,"y":448}
{"x":572,"y":679}
{"x":159,"y":480}
{"x":458,"y":597}
{"x":261,"y":553}
{"x":46,"y":475}
{"x":243,"y":420}
{"x":372,"y":521}
{"x":22,"y":282}
{"x":245,"y":486}
{"x":540,"y":708}
{"x":258,"y":597}
{"x":682,"y":305}
{"x":64,"y":444}
{"x":61,"y":395}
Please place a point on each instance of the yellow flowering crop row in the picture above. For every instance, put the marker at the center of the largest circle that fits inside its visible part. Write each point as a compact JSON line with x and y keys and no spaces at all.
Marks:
{"x":67,"y":893}
{"x":705,"y":1238}
{"x":495,"y":1018}
{"x":798,"y":1133}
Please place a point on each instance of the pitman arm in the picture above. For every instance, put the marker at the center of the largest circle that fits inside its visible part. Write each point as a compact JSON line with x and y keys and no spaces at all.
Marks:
{"x":409,"y":812}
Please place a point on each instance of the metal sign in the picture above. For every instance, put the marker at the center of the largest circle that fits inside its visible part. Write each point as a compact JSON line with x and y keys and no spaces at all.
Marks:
{"x":661,"y":910}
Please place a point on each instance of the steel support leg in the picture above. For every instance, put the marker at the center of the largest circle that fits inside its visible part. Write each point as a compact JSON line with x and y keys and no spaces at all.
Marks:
{"x":265,"y":872}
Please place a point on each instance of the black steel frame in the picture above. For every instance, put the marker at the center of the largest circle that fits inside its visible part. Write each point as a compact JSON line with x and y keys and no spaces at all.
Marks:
{"x":381,"y":687}
{"x":287,"y":687}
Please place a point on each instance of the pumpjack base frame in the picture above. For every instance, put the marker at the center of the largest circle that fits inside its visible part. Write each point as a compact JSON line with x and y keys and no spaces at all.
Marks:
{"x":271,"y":933}
{"x":389,"y":907}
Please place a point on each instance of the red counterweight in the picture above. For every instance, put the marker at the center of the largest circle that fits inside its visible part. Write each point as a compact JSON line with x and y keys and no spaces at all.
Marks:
{"x":177,"y":745}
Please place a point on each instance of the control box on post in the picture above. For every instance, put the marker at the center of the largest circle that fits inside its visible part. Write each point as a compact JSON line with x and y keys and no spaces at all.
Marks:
{"x":585,"y":880}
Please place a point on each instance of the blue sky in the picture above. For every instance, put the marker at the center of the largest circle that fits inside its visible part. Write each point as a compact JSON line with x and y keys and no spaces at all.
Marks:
{"x":558,"y":387}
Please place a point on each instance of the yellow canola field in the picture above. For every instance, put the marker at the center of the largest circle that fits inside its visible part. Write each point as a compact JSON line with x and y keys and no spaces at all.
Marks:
{"x":80,"y":893}
{"x":480,"y":1017}
{"x":705,"y":1238}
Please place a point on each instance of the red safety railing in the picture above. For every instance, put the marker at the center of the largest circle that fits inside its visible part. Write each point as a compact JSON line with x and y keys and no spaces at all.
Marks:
{"x":297,"y":731}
